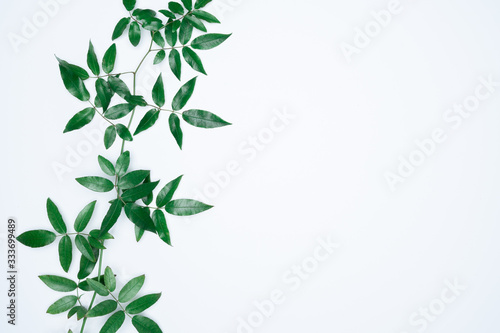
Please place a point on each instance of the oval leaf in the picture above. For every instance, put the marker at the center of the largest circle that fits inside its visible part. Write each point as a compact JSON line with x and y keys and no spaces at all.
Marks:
{"x":83,"y":246}
{"x":65,"y":252}
{"x":36,"y":238}
{"x":131,"y":289}
{"x":109,"y":136}
{"x":62,"y":305}
{"x":113,"y":324}
{"x":175,"y":128}
{"x":122,"y":163}
{"x":132,"y":179}
{"x":139,"y":192}
{"x":92,"y":61}
{"x":193,"y":60}
{"x":96,"y":184}
{"x":183,"y":95}
{"x":134,"y":33}
{"x":58,"y":283}
{"x":140,"y":217}
{"x":103,"y":308}
{"x":111,"y":217}
{"x":167,"y":192}
{"x":120,"y":27}
{"x":108,"y":62}
{"x":142,"y":303}
{"x":123,"y":132}
{"x":109,"y":279}
{"x":161,"y":226}
{"x":186,"y":207}
{"x":106,"y":166}
{"x":203,"y":119}
{"x":174,"y":60}
{"x":145,"y":325}
{"x":55,"y":217}
{"x":160,"y":56}
{"x":83,"y":218}
{"x":80,"y":119}
{"x":159,"y":92}
{"x":147,"y":121}
{"x":209,"y":41}
{"x":98,"y":287}
{"x":119,"y":111}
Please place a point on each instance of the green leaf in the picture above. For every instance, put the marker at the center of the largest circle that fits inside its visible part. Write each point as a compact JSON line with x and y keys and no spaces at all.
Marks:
{"x":62,"y":305}
{"x":161,"y":226}
{"x":118,"y":86}
{"x":138,"y":192}
{"x":159,"y":92}
{"x":98,"y":287}
{"x":55,"y":217}
{"x":87,"y":266}
{"x":111,"y":217}
{"x":134,"y":33}
{"x":120,"y":27}
{"x":103,"y":308}
{"x":167,"y":14}
{"x":129,"y":4}
{"x":175,"y":128}
{"x":132,"y":179}
{"x":186,"y":32}
{"x":142,"y":14}
{"x":183,"y":95}
{"x":209,"y":41}
{"x":171,"y":34}
{"x":201,"y":3}
{"x":96,"y":184}
{"x":84,"y":247}
{"x":145,"y":325}
{"x":158,"y":38}
{"x":83,"y":218}
{"x":58,"y":283}
{"x":149,"y":198}
{"x":119,"y":111}
{"x":138,"y":233}
{"x":188,"y":4}
{"x":65,"y":252}
{"x":152,"y":24}
{"x":85,"y":286}
{"x":122,"y":163}
{"x":106,"y":166}
{"x":142,"y":303}
{"x":109,"y":136}
{"x":167,"y":192}
{"x":147,"y":121}
{"x":77,"y":70}
{"x":193,"y":60}
{"x":95,"y":243}
{"x":92,"y":61}
{"x":36,"y":238}
{"x":123,"y":132}
{"x":174,"y":60}
{"x":160,"y":56}
{"x":113,"y":324}
{"x":104,"y":93}
{"x":203,"y":119}
{"x":176,"y":7}
{"x":108,"y":62}
{"x":207,"y":17}
{"x":140,"y":217}
{"x":80,"y":313}
{"x":80,"y":119}
{"x":96,"y":233}
{"x":109,"y":279}
{"x":136,"y":100}
{"x":196,"y":22}
{"x":131,"y":289}
{"x":74,"y":84}
{"x":186,"y":207}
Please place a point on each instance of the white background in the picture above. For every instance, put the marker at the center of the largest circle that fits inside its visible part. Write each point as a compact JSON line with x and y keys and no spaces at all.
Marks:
{"x":322,"y":175}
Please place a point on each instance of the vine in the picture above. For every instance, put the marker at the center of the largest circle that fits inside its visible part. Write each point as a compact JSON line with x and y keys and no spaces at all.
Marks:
{"x":114,"y":101}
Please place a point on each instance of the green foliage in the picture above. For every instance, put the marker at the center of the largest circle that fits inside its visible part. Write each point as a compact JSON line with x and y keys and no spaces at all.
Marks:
{"x":133,"y":191}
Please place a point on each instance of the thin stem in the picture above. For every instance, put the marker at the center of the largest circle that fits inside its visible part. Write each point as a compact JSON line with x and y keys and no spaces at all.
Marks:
{"x":110,"y":74}
{"x":93,"y":297}
{"x":99,"y":112}
{"x":120,"y":304}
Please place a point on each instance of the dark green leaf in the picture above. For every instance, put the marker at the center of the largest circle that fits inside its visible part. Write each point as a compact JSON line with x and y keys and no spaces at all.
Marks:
{"x":120,"y":27}
{"x":166,"y":194}
{"x":152,"y":24}
{"x":136,"y":100}
{"x":109,"y":136}
{"x":36,"y":238}
{"x":96,"y":233}
{"x":142,"y":303}
{"x":92,"y":61}
{"x":208,"y":41}
{"x":84,"y":247}
{"x":98,"y":287}
{"x":147,"y":121}
{"x":74,"y":84}
{"x":201,"y":3}
{"x":176,"y":7}
{"x":129,"y":4}
{"x":103,"y":308}
{"x":109,"y":279}
{"x":167,"y":13}
{"x":159,"y":92}
{"x":80,"y":119}
{"x":80,"y":313}
{"x":193,"y":60}
{"x":123,"y":163}
{"x":207,"y":17}
{"x":119,"y":111}
{"x":65,"y":252}
{"x":58,"y":283}
{"x":188,"y":4}
{"x":171,"y":34}
{"x":123,"y":132}
{"x":175,"y":128}
{"x":142,"y":14}
{"x":196,"y":22}
{"x":186,"y":207}
{"x":106,"y":166}
{"x":131,"y":289}
{"x":55,"y":217}
{"x":83,"y":218}
{"x":108,"y":62}
{"x":161,"y":226}
{"x":149,"y":198}
{"x":186,"y":32}
{"x":95,"y":243}
{"x":158,"y":38}
{"x":145,"y":325}
{"x":138,"y":233}
{"x":77,"y":70}
{"x":174,"y":60}
{"x":203,"y":119}
{"x":85,"y":286}
{"x":111,"y":217}
{"x":96,"y":184}
{"x":118,"y":86}
{"x":113,"y":324}
{"x":134,"y":33}
{"x":104,"y":93}
{"x":62,"y":305}
{"x":87,"y":266}
{"x":139,"y":192}
{"x":183,"y":95}
{"x":140,"y":217}
{"x":160,"y":56}
{"x":132,"y":179}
